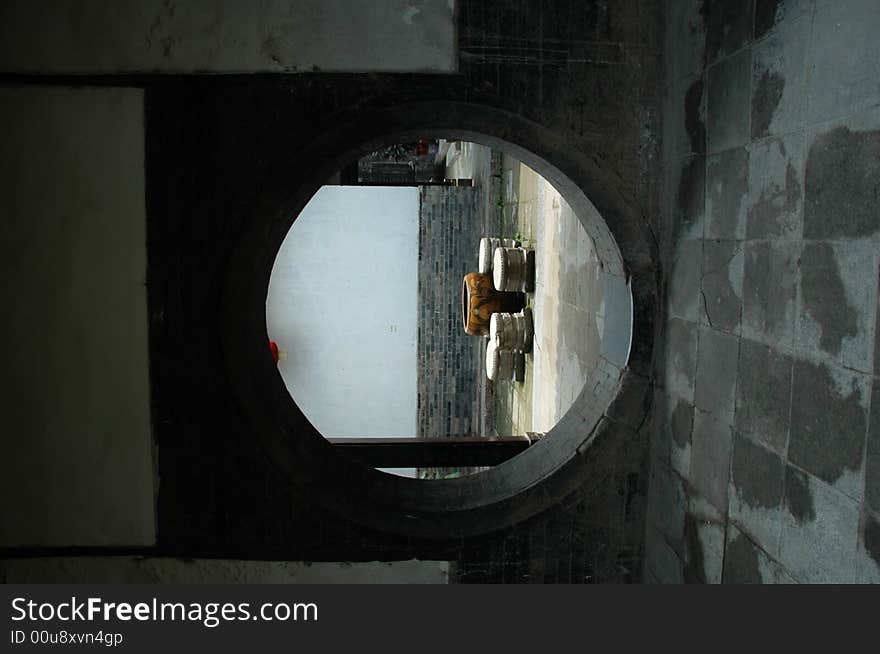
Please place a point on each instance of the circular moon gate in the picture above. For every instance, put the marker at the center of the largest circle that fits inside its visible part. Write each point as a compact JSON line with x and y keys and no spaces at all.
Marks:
{"x":607,"y":411}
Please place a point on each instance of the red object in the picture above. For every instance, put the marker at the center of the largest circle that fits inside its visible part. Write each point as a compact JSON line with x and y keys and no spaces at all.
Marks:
{"x":273,"y":346}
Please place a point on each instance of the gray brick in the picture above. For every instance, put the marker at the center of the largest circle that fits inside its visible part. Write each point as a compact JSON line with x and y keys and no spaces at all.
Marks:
{"x":448,"y":358}
{"x":710,"y":459}
{"x":763,"y":394}
{"x":829,"y":424}
{"x":717,"y":355}
{"x":728,"y":122}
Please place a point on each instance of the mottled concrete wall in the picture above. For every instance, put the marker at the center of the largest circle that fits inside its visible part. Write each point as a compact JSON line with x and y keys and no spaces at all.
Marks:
{"x":226,"y":36}
{"x":75,"y":447}
{"x":765,"y":459}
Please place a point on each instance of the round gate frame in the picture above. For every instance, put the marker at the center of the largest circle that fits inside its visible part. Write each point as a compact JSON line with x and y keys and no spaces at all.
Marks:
{"x":526,"y":484}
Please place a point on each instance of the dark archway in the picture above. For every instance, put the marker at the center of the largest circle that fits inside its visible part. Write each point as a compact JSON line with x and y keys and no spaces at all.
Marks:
{"x":609,"y":408}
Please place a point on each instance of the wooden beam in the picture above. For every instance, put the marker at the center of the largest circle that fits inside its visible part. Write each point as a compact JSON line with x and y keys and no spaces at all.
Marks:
{"x":431,"y":452}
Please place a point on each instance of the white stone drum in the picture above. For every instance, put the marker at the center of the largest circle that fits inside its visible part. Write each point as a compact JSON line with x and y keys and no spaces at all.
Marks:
{"x":504,"y":365}
{"x":487,"y":249}
{"x":512,"y":331}
{"x":513,"y":269}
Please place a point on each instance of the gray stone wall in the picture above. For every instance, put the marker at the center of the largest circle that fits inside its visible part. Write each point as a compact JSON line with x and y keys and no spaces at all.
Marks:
{"x":448,"y":358}
{"x":765,"y":464}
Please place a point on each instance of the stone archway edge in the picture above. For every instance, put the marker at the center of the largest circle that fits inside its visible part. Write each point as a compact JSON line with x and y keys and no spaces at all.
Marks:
{"x":606,"y":414}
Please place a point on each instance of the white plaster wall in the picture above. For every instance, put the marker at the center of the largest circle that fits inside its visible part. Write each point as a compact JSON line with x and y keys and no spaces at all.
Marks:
{"x":75,"y":448}
{"x":226,"y":36}
{"x":342,"y":302}
{"x":131,"y":570}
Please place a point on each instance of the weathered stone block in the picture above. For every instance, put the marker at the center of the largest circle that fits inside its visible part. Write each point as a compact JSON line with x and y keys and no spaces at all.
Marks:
{"x":763,"y":394}
{"x":710,"y":459}
{"x":728,"y":115}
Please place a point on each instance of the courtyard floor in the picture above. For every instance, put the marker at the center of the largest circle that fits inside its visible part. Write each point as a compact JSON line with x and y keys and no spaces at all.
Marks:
{"x":567,"y":302}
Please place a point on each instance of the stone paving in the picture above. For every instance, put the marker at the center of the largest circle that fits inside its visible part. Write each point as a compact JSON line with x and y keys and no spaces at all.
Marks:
{"x":570,"y":292}
{"x":521,"y":204}
{"x":766,"y":448}
{"x":567,"y":303}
